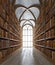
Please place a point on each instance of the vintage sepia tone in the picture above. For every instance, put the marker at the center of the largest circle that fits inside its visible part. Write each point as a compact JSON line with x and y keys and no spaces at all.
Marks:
{"x":27,"y":32}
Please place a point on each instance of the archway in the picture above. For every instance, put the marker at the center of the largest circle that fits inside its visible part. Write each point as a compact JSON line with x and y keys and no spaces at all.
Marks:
{"x":27,"y":36}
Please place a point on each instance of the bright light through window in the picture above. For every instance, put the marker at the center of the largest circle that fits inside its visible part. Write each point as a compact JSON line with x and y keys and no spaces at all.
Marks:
{"x":27,"y":36}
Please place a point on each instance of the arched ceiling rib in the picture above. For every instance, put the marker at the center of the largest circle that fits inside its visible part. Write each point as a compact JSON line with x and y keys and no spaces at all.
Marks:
{"x":34,"y":10}
{"x":27,"y":10}
{"x":33,"y":16}
{"x":19,"y":11}
{"x":19,"y":5}
{"x":27,"y":22}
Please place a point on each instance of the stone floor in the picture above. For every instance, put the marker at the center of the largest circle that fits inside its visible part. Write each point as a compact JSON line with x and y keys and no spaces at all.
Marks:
{"x":27,"y":56}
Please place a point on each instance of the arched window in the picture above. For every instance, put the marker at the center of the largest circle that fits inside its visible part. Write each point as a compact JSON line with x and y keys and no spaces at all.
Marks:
{"x":27,"y":36}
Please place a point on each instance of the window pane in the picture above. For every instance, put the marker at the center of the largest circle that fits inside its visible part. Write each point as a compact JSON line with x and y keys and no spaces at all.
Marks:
{"x":24,"y":32}
{"x":29,"y":27}
{"x":24,"y":38}
{"x":29,"y":32}
{"x":27,"y":36}
{"x":31,"y":38}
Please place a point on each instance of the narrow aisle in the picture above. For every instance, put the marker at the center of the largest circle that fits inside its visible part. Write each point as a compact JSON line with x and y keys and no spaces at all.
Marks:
{"x":27,"y":56}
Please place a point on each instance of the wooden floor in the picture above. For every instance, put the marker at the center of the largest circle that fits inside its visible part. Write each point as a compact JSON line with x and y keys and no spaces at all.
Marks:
{"x":27,"y":56}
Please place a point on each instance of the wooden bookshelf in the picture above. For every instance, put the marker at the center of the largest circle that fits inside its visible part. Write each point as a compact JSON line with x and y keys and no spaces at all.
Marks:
{"x":44,"y":33}
{"x":10,"y":37}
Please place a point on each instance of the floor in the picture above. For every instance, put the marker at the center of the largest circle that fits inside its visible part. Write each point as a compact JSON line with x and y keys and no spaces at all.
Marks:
{"x":27,"y":56}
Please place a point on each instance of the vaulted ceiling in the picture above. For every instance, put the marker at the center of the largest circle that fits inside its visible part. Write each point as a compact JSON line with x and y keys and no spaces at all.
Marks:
{"x":27,"y":10}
